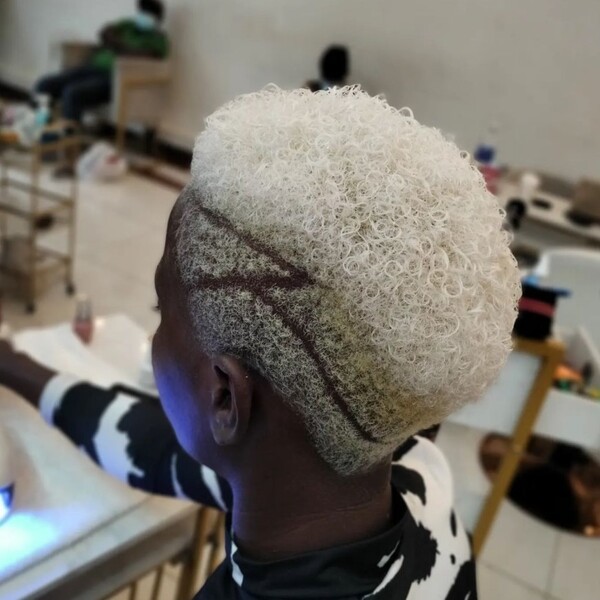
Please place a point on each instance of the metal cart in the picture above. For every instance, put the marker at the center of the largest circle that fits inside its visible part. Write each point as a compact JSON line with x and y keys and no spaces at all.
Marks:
{"x":28,"y":207}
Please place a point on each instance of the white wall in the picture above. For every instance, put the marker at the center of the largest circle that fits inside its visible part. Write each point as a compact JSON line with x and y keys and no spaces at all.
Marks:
{"x":531,"y":65}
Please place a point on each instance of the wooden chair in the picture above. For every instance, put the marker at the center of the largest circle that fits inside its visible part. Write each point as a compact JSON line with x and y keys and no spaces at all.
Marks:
{"x":198,"y":562}
{"x":139,"y":88}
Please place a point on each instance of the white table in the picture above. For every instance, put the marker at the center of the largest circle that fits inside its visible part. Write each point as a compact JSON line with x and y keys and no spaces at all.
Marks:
{"x":546,"y":228}
{"x":146,"y":530}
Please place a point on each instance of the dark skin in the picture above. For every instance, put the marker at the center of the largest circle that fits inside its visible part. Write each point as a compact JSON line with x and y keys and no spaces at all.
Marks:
{"x":287,"y":500}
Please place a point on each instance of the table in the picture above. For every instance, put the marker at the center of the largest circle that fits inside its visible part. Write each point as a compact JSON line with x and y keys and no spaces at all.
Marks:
{"x":147,"y":530}
{"x":545,"y":228}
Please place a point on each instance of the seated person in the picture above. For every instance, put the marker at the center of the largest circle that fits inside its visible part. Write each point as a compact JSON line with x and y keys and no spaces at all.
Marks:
{"x":333,"y":68}
{"x":90,"y":85}
{"x":335,"y":278}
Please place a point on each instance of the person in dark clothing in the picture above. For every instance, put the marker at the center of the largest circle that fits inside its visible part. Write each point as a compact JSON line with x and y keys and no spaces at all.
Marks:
{"x":335,"y":278}
{"x":334,"y":67}
{"x":89,"y":85}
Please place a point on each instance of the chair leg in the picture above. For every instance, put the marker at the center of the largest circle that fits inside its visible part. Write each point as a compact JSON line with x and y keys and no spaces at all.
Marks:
{"x":190,"y":568}
{"x":157,"y":581}
{"x":217,"y":543}
{"x":121,"y":116}
{"x":150,"y":142}
{"x":133,"y":588}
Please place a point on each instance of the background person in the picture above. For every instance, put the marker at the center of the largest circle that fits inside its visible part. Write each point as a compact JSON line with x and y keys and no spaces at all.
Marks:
{"x":90,"y":85}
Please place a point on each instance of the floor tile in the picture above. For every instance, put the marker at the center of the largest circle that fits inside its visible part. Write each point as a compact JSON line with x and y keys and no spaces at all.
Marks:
{"x":136,"y":200}
{"x":99,"y":229}
{"x":521,"y":547}
{"x":493,"y":585}
{"x":518,"y":545}
{"x":113,"y":292}
{"x":135,"y":256}
{"x":461,"y":447}
{"x":576,"y":572}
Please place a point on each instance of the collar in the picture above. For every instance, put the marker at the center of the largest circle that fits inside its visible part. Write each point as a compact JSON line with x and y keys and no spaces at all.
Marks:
{"x":349,"y":571}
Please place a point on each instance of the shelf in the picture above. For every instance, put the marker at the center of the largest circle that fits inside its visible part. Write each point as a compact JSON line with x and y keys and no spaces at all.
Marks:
{"x":565,"y":416}
{"x":18,"y":203}
{"x":554,"y":216}
{"x":29,"y":195}
{"x":10,"y":183}
{"x":31,"y":216}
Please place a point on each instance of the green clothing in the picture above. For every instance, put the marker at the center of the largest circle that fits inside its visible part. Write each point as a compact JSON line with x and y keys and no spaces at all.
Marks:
{"x":152,"y":43}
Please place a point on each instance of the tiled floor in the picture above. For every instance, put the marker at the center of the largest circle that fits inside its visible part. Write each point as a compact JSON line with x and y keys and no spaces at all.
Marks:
{"x":121,"y":229}
{"x":536,"y":562}
{"x":523,"y":558}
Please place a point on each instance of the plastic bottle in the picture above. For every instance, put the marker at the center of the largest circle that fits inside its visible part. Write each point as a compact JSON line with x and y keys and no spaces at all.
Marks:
{"x":485,"y":157}
{"x":83,"y":323}
{"x":42,"y":113}
{"x":529,"y":183}
{"x":31,"y":123}
{"x":5,"y":328}
{"x":26,"y":129}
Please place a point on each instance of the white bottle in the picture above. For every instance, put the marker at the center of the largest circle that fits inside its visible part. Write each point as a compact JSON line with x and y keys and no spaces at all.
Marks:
{"x":5,"y":328}
{"x":485,"y":158}
{"x":31,"y":123}
{"x":26,"y":129}
{"x":42,"y":113}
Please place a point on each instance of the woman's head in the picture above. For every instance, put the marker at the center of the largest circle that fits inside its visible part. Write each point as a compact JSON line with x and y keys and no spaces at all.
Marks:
{"x":346,"y":255}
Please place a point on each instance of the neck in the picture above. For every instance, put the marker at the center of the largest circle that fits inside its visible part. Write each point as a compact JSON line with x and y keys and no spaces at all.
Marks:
{"x":300,"y":508}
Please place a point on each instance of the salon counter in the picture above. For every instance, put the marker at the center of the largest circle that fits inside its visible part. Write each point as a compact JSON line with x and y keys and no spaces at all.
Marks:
{"x":74,"y":531}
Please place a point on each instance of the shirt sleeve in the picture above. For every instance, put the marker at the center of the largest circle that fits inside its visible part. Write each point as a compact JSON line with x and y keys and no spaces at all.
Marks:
{"x":131,"y":438}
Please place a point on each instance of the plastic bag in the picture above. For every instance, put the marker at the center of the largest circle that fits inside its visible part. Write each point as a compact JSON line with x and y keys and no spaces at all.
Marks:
{"x":101,"y":162}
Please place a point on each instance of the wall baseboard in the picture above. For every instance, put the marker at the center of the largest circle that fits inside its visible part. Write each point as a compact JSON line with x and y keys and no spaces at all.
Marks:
{"x":12,"y":92}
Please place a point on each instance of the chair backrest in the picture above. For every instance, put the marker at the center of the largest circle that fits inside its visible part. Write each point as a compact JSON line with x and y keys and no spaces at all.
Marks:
{"x":142,"y":85}
{"x":576,"y":269}
{"x":75,"y":54}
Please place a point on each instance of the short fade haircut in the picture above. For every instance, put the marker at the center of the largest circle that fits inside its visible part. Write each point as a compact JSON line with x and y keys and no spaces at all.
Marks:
{"x":152,"y":7}
{"x":334,"y":64}
{"x":353,"y":257}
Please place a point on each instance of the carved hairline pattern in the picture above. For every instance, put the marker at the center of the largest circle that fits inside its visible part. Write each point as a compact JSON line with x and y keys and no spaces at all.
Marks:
{"x":259,"y":285}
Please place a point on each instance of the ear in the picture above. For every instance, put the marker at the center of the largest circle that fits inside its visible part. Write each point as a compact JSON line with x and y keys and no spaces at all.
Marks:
{"x":231,"y":400}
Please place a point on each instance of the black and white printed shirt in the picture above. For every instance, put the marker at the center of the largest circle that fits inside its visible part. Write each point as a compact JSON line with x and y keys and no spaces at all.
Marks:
{"x":425,"y":555}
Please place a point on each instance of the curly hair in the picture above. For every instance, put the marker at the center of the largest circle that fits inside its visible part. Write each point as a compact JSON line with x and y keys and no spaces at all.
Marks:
{"x":353,"y":257}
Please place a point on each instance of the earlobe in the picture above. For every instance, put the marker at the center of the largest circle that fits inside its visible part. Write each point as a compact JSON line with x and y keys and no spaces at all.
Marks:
{"x":231,"y":401}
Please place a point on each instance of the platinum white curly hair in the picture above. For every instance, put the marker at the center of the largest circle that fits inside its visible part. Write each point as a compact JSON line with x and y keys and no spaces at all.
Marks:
{"x":353,"y":257}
